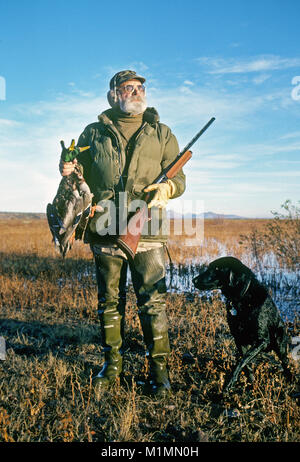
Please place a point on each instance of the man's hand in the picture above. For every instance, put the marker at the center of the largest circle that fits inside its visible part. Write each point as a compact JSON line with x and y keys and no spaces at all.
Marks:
{"x":68,"y":159}
{"x":66,"y":168}
{"x":163,"y":192}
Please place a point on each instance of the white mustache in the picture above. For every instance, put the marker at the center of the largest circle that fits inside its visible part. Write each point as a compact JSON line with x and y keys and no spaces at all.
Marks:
{"x":134,"y":104}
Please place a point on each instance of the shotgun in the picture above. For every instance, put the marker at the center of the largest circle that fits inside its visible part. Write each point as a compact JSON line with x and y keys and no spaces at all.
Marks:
{"x":127,"y":240}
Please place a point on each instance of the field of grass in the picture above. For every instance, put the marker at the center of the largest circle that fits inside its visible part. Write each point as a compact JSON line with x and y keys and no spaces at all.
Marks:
{"x":48,"y":319}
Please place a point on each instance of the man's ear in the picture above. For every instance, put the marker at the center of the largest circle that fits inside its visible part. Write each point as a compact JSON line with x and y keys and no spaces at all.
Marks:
{"x":112,"y":98}
{"x":239,"y":282}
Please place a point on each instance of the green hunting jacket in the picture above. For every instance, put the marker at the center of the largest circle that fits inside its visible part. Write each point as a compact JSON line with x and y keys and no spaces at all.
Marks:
{"x":153,"y":148}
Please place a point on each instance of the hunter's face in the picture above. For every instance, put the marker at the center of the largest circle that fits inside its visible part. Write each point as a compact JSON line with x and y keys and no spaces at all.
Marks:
{"x":131,"y":96}
{"x":131,"y":88}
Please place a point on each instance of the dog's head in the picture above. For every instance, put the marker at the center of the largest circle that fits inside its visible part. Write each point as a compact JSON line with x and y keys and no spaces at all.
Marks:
{"x":227,"y":274}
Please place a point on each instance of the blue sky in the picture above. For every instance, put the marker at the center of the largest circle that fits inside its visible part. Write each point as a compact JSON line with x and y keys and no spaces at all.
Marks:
{"x":238,"y":61}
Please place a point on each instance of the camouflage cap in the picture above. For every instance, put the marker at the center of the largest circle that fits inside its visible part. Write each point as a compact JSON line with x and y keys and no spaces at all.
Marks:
{"x":123,"y":76}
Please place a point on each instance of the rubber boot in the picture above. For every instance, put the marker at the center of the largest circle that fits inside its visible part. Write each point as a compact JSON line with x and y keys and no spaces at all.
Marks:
{"x":111,"y":278}
{"x":112,"y":341}
{"x":148,"y":277}
{"x":154,"y":326}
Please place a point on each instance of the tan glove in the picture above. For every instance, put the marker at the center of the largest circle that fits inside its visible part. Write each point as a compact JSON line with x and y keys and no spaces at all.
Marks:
{"x":164,"y":192}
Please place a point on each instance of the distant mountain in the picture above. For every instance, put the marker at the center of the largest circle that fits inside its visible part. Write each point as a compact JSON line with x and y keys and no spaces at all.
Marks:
{"x":21,"y":215}
{"x":206,"y":215}
{"x":170,"y":214}
{"x":218,"y":215}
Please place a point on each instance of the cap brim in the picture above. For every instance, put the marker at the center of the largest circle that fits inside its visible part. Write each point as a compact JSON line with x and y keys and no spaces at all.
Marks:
{"x":132,"y":77}
{"x":141,"y":79}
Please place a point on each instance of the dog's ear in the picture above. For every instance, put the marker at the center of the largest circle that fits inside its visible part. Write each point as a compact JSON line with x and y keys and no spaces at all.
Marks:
{"x":239,"y":282}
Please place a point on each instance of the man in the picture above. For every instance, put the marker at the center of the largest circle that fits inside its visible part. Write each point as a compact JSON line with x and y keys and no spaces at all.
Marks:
{"x":128,"y":149}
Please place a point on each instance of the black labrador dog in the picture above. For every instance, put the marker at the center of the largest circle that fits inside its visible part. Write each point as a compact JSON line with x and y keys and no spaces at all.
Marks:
{"x":253,"y":318}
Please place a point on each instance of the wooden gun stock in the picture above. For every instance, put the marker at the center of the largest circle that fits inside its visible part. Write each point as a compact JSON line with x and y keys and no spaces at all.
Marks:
{"x":175,"y":166}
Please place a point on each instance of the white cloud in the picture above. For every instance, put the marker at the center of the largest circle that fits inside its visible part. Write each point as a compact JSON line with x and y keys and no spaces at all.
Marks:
{"x":215,"y":163}
{"x":5,"y":123}
{"x":260,"y":63}
{"x":291,"y":135}
{"x":266,"y":149}
{"x":194,"y":106}
{"x":261,"y":78}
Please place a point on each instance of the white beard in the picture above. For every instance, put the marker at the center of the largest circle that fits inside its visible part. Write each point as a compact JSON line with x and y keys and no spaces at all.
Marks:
{"x":133,"y":104}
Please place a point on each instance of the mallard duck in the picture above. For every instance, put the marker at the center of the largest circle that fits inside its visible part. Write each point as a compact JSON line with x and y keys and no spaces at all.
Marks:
{"x":70,"y":210}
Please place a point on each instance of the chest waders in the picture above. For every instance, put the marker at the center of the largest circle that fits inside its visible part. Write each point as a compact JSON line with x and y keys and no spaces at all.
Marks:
{"x":148,"y":278}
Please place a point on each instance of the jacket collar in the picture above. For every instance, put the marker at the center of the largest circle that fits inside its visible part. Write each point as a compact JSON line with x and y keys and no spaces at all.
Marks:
{"x":150,"y":116}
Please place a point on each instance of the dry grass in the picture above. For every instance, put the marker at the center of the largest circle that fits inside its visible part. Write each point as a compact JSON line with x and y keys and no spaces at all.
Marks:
{"x":215,"y":233}
{"x":48,"y":318}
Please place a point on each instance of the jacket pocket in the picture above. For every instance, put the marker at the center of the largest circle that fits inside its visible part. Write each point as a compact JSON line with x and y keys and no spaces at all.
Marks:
{"x":138,"y":189}
{"x":102,"y":195}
